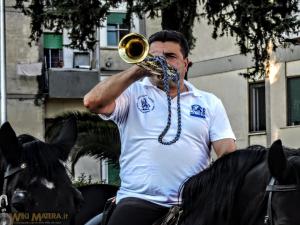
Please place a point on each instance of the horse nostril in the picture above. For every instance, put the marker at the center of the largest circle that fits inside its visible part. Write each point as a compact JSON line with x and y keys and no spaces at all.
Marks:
{"x":19,"y":199}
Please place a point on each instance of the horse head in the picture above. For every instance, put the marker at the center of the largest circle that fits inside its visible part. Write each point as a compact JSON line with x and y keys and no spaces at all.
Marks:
{"x":284,"y":188}
{"x":252,"y":186}
{"x":36,"y":178}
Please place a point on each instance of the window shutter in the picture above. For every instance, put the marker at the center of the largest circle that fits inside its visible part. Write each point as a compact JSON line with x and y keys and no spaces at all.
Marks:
{"x":293,"y":87}
{"x":116,"y":18}
{"x":53,"y":41}
{"x":113,"y":175}
{"x":257,"y":107}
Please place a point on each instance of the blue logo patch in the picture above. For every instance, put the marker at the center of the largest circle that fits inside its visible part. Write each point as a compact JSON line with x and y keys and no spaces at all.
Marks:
{"x":145,"y":103}
{"x":197,"y":111}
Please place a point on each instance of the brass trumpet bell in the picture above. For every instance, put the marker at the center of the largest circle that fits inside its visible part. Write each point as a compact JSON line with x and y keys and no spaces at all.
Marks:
{"x":133,"y":48}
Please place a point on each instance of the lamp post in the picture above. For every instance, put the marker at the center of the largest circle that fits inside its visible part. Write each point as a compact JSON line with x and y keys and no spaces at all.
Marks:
{"x":2,"y":61}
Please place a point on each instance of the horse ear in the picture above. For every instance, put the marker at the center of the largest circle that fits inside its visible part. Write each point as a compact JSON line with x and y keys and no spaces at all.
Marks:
{"x":9,"y":144}
{"x":277,"y":160}
{"x":66,"y":138}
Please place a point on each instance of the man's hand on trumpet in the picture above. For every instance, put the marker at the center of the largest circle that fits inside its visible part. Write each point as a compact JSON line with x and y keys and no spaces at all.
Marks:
{"x":153,"y":64}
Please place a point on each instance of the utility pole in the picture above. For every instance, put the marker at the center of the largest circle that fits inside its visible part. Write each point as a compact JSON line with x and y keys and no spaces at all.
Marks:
{"x":3,"y":61}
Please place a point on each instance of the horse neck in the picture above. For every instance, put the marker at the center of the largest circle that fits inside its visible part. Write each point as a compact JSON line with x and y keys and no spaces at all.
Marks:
{"x":216,"y":191}
{"x":251,"y":202}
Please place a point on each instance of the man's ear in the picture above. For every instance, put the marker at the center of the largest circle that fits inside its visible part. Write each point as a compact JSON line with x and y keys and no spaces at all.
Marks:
{"x":188,"y":65}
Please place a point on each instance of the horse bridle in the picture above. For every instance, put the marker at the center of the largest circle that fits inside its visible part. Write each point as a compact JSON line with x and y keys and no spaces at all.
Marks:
{"x":9,"y":172}
{"x":272,"y":187}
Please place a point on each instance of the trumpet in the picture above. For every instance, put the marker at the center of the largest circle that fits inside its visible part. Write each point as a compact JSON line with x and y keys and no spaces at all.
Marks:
{"x":134,"y":48}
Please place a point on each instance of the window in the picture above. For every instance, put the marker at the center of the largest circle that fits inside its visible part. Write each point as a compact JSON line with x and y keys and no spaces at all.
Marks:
{"x":81,"y":60}
{"x":116,"y":28}
{"x":257,"y":107}
{"x":293,"y":101}
{"x":53,"y":50}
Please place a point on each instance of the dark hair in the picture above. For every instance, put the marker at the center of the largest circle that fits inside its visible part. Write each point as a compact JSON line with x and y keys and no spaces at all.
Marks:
{"x":174,"y":36}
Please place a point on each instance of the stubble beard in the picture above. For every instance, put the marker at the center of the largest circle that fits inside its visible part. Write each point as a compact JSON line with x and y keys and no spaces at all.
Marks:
{"x":158,"y":82}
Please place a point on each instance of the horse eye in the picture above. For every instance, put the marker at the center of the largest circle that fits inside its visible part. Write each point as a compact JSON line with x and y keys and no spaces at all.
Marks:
{"x":18,"y":199}
{"x":20,"y":193}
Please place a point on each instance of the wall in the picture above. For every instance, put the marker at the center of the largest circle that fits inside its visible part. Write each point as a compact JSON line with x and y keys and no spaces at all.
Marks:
{"x":289,"y":134}
{"x":208,"y":48}
{"x":277,"y":94}
{"x":152,"y":26}
{"x":24,"y":112}
{"x":26,"y":117}
{"x":232,"y":90}
{"x":18,"y":51}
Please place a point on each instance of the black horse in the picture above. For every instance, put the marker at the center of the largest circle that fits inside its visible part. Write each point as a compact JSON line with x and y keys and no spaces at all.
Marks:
{"x":255,"y":186}
{"x":95,"y":197}
{"x":34,"y":178}
{"x":247,"y":187}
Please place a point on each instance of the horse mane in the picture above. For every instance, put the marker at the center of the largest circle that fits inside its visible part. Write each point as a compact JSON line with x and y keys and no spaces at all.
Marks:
{"x":291,"y":152}
{"x":209,"y":195}
{"x":41,"y":158}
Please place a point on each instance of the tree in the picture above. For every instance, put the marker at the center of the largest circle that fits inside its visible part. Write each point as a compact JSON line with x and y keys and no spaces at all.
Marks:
{"x":254,"y":23}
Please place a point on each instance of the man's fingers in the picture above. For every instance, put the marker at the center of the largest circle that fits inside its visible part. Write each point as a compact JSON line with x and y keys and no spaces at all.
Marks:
{"x":150,"y":68}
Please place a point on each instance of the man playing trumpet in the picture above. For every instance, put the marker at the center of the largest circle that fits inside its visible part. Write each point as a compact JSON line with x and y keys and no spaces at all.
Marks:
{"x":153,"y":168}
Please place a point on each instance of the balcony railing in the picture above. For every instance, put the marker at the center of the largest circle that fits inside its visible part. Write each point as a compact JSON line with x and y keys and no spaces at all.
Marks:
{"x":71,"y":83}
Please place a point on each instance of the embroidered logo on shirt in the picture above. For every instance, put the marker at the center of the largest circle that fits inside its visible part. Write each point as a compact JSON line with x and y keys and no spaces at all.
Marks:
{"x":145,"y":103}
{"x":197,"y":111}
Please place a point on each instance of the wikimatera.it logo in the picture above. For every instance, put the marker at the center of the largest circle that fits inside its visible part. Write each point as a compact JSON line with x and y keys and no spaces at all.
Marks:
{"x":39,"y":218}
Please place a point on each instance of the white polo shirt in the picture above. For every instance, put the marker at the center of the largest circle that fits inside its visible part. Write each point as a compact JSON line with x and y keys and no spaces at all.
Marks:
{"x":150,"y":170}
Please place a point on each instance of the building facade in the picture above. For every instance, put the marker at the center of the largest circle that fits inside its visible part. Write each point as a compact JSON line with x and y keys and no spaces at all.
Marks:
{"x":48,"y":79}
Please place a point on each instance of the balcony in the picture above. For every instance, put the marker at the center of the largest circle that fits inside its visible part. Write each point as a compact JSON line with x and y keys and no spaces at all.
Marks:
{"x":71,"y":83}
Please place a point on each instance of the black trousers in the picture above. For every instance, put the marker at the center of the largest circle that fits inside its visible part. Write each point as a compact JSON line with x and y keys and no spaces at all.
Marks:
{"x":135,"y":211}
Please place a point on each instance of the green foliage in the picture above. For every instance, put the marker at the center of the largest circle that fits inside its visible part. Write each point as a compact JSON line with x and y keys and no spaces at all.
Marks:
{"x":114,"y":175}
{"x":176,"y":15}
{"x":82,"y":17}
{"x":256,"y":24}
{"x":84,"y":180}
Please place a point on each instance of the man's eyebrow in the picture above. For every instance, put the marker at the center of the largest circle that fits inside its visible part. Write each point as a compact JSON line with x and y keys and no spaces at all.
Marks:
{"x":169,"y":54}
